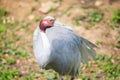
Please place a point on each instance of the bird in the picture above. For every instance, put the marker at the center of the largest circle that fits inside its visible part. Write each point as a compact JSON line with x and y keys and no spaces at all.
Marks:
{"x":56,"y":46}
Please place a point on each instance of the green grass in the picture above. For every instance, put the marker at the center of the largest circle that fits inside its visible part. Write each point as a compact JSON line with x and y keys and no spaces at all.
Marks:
{"x":76,"y":20}
{"x":29,"y":76}
{"x":94,"y":16}
{"x":36,"y":18}
{"x":89,"y":18}
{"x":83,"y":77}
{"x":110,"y":69}
{"x":118,"y":41}
{"x":103,"y":64}
{"x":3,"y":28}
{"x":3,"y":12}
{"x":13,"y":74}
{"x":10,"y":52}
{"x":8,"y":74}
{"x":57,"y":1}
{"x":98,"y":42}
{"x":115,"y":18}
{"x":32,"y":9}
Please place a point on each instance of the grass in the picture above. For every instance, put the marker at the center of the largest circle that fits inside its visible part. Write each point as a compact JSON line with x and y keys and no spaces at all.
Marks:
{"x":110,"y":69}
{"x":57,"y":1}
{"x":9,"y":74}
{"x":2,"y":28}
{"x":98,"y":42}
{"x":115,"y":18}
{"x":9,"y":52}
{"x":89,"y":18}
{"x":51,"y":76}
{"x":107,"y":68}
{"x":94,"y":16}
{"x":3,"y":12}
{"x":76,"y":20}
{"x":29,"y":76}
{"x":36,"y":18}
{"x":32,"y":9}
{"x":118,"y":41}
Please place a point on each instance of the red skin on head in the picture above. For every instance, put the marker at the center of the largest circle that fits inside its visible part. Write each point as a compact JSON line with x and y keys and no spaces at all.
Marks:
{"x":45,"y":23}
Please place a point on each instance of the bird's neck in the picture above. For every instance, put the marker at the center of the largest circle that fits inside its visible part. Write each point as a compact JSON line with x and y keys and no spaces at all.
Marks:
{"x":46,"y":50}
{"x":46,"y":43}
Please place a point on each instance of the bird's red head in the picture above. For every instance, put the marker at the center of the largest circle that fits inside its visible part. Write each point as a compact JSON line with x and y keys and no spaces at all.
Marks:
{"x":46,"y":22}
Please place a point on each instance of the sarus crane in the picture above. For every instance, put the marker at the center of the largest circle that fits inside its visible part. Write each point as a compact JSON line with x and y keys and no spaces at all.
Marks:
{"x":57,"y":47}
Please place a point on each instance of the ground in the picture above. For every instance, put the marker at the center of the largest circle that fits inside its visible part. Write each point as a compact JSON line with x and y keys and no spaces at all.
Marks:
{"x":96,"y":20}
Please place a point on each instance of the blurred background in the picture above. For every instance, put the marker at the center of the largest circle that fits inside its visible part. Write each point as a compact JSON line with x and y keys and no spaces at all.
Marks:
{"x":95,"y":20}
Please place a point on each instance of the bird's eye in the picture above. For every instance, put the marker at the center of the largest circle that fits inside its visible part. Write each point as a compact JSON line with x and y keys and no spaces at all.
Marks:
{"x":51,"y":20}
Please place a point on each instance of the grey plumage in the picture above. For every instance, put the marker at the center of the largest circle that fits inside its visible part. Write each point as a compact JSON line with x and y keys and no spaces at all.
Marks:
{"x":67,"y":50}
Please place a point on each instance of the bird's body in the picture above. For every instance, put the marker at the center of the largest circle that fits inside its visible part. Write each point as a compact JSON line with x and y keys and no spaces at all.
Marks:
{"x":65,"y":50}
{"x":61,"y":49}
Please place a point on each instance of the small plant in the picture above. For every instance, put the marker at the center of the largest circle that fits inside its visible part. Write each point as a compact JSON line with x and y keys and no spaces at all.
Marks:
{"x":37,"y":0}
{"x":25,"y":24}
{"x":10,"y":60}
{"x":52,"y":9}
{"x":91,"y":16}
{"x":32,"y":75}
{"x":13,"y":50}
{"x":84,"y":77}
{"x":66,"y":12}
{"x":8,"y":74}
{"x":51,"y":76}
{"x":115,"y":18}
{"x":21,"y":53}
{"x":109,"y":69}
{"x":57,"y":1}
{"x":118,"y":41}
{"x":1,"y":63}
{"x":99,"y":42}
{"x":118,"y":38}
{"x":3,"y":12}
{"x":94,"y":16}
{"x":36,"y":18}
{"x":76,"y":20}
{"x":2,"y":28}
{"x":29,"y":76}
{"x":32,"y":9}
{"x":102,"y":57}
{"x":84,"y":6}
{"x":118,"y":30}
{"x":15,"y":37}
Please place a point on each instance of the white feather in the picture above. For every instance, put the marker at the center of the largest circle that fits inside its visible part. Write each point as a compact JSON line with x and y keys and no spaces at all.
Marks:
{"x":42,"y":53}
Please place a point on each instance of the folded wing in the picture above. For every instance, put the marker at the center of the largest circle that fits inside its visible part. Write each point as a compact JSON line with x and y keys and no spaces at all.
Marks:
{"x":87,"y":49}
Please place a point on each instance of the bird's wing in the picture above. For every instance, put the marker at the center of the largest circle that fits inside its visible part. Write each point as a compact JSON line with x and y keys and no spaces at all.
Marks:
{"x":87,"y":49}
